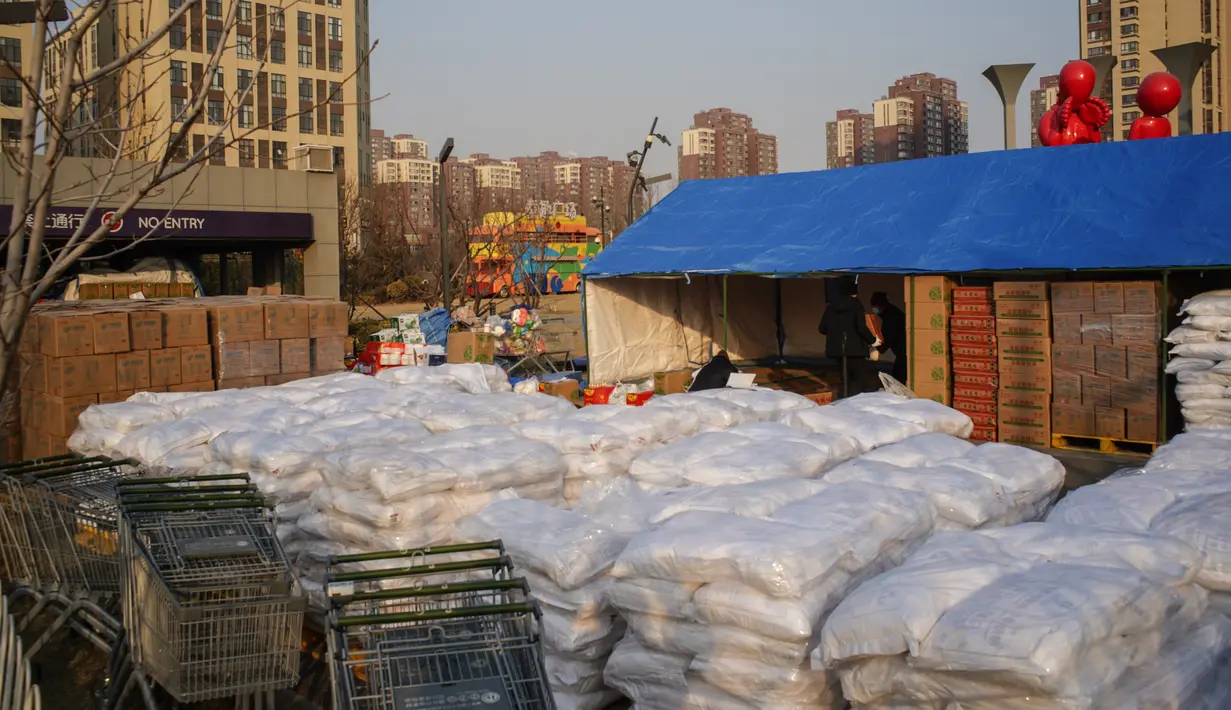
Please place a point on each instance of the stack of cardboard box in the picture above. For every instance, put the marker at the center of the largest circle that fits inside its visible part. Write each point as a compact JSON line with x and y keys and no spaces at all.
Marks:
{"x":972,"y":341}
{"x":79,"y":353}
{"x":1107,"y":360}
{"x":1024,"y":357}
{"x":929,"y":301}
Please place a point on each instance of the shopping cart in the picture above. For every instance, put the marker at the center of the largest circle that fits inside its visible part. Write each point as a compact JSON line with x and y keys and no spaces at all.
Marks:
{"x":210,"y":606}
{"x":453,"y":628}
{"x":17,"y":690}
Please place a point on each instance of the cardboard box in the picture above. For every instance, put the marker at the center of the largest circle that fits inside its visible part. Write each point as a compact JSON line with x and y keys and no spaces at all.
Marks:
{"x":1019,"y":291}
{"x":166,"y":367}
{"x":1134,"y":328}
{"x":1028,"y":347}
{"x":1143,"y":362}
{"x":471,"y":347}
{"x":1023,"y":435}
{"x":145,"y":330}
{"x":237,"y":321}
{"x":1142,"y":425}
{"x":1066,"y":387}
{"x":206,"y":386}
{"x":982,"y":380}
{"x":184,"y":327}
{"x":1111,"y":361}
{"x":240,"y":383}
{"x":65,"y":334}
{"x":117,"y":396}
{"x":132,"y":370}
{"x":1025,"y":358}
{"x":111,"y":333}
{"x":1109,"y":297}
{"x":287,"y":319}
{"x":973,"y":294}
{"x":1015,"y":328}
{"x":1023,"y":399}
{"x":1143,"y":297}
{"x":566,"y":389}
{"x":328,"y":319}
{"x":1096,"y":329}
{"x":1109,"y":422}
{"x":934,"y":370}
{"x":327,"y":352}
{"x":927,"y":343}
{"x":1023,"y":310}
{"x":33,"y":373}
{"x":929,"y":315}
{"x":935,"y":391}
{"x":819,"y":398}
{"x":284,"y":378}
{"x":928,"y":289}
{"x":1066,"y":328}
{"x":972,"y":308}
{"x":975,"y":406}
{"x":1095,"y":391}
{"x":196,"y":365}
{"x":985,"y":367}
{"x":1134,"y":394}
{"x":99,"y":374}
{"x":232,"y":361}
{"x":972,"y":337}
{"x":265,"y":357}
{"x":59,"y":414}
{"x":1073,"y":358}
{"x":672,"y":382}
{"x":987,"y":434}
{"x":1026,"y":379}
{"x":979,"y":419}
{"x":980,"y":324}
{"x":962,"y":351}
{"x":1074,"y":421}
{"x":1032,"y":417}
{"x":1072,"y":297}
{"x":296,"y":356}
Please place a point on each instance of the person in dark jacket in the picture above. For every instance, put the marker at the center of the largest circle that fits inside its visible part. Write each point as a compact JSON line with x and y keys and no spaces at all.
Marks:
{"x":893,"y":331}
{"x":847,"y":337}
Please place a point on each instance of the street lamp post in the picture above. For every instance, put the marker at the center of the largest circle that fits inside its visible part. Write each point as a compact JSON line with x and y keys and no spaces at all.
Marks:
{"x":637,"y":160}
{"x":600,"y":203}
{"x":446,"y":283}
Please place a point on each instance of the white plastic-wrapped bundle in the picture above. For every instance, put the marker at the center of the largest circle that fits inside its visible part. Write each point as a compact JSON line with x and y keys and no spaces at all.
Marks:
{"x":568,"y":555}
{"x":472,"y":378}
{"x":740,"y":599}
{"x":712,"y":412}
{"x":765,"y":404}
{"x":151,"y":444}
{"x":1041,"y":613}
{"x":1201,"y":352}
{"x":743,"y":454}
{"x":870,"y":429}
{"x":499,"y":409}
{"x":932,"y":416}
{"x":123,"y":416}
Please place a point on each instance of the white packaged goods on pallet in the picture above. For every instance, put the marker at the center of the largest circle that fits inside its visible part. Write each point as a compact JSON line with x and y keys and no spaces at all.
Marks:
{"x":1201,"y":361}
{"x":1039,"y":615}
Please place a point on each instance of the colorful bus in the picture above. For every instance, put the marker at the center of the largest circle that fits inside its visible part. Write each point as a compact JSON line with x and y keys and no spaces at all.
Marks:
{"x":508,"y":254}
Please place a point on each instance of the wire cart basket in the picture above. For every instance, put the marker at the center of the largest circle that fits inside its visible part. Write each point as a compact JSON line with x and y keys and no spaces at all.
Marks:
{"x":211,"y":608}
{"x":453,"y":628}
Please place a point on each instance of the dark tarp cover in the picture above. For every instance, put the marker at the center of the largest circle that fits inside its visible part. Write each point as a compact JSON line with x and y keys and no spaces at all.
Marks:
{"x":1141,"y":204}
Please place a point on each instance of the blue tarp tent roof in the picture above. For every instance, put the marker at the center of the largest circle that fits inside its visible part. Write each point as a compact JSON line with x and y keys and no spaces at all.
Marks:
{"x":1131,"y":205}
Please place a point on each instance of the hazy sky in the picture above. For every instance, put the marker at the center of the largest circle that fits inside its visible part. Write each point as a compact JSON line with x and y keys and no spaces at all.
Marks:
{"x":587,"y":77}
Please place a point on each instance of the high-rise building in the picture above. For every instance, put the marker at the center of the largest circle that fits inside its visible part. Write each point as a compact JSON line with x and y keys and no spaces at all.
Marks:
{"x":722,"y":143}
{"x":1131,"y":31}
{"x":921,"y":117}
{"x":15,"y":48}
{"x":311,"y":53}
{"x":850,"y":140}
{"x":1041,"y":100}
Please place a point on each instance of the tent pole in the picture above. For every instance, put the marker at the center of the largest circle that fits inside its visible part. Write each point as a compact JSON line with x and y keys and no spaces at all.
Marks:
{"x":724,"y":314}
{"x":585,"y":330}
{"x":1163,"y":421}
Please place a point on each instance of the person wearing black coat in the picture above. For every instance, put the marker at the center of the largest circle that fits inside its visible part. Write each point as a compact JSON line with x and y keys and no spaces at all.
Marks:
{"x":893,"y":329}
{"x":847,"y":337}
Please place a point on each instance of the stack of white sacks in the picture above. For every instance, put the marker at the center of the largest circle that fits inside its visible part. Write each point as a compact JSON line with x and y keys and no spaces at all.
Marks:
{"x":1201,"y":360}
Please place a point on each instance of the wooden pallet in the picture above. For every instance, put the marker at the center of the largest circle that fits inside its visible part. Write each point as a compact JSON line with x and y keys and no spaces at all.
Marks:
{"x":1103,"y":445}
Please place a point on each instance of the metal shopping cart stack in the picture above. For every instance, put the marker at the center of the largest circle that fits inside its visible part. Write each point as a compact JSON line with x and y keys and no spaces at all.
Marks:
{"x":17,"y":689}
{"x":211,"y":607}
{"x":59,"y":542}
{"x":448,"y":626}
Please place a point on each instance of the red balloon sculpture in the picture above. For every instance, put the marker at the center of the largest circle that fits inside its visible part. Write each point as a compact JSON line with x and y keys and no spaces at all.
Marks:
{"x":1157,"y":96}
{"x":1077,"y":116}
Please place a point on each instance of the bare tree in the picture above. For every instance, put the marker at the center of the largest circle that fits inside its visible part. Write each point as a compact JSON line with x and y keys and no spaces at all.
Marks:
{"x":86,"y":96}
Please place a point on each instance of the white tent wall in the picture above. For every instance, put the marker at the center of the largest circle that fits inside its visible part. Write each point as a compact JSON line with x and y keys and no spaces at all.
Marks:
{"x":636,"y":326}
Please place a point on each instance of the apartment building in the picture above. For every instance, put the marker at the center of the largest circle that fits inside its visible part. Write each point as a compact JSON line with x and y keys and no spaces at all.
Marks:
{"x":1041,"y":101}
{"x":1131,"y":29}
{"x":288,"y":77}
{"x":850,"y":139}
{"x":15,"y":57}
{"x":722,"y":143}
{"x":938,"y":121}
